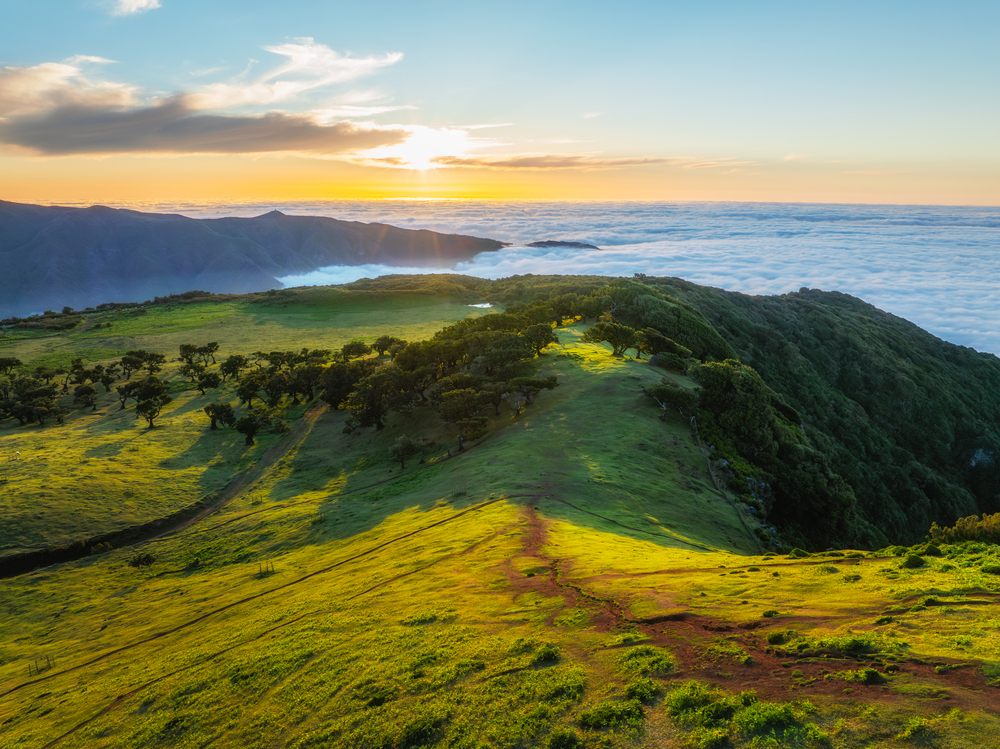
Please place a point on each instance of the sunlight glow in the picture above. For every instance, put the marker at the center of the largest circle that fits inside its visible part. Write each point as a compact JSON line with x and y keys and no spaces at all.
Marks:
{"x":423,"y":145}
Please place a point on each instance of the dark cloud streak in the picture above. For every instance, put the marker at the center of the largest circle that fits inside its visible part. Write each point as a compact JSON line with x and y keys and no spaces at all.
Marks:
{"x":545,"y":161}
{"x":174,"y":127}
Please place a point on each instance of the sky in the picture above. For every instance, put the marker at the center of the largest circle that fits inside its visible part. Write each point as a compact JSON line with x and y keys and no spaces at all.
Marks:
{"x":833,"y":102}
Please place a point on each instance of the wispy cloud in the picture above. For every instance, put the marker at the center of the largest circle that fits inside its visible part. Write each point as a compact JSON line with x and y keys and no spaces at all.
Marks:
{"x":591,"y":115}
{"x":716,"y":164}
{"x":876,"y":172}
{"x":308,"y":66}
{"x":545,"y":162}
{"x":796,"y":157}
{"x":131,"y":7}
{"x":57,"y":109}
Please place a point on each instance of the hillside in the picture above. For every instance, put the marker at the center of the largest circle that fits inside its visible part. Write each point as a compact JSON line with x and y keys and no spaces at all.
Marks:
{"x":581,"y":574}
{"x":81,"y":257}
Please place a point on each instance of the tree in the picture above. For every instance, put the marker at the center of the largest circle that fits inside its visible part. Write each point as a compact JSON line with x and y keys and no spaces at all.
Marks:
{"x":208,"y":351}
{"x":621,"y":337}
{"x":540,"y":336}
{"x":403,"y":449}
{"x":385,"y":342}
{"x":150,"y":409}
{"x":86,"y":395}
{"x":8,"y":364}
{"x":209,"y":381}
{"x":249,"y":385}
{"x":220,"y":412}
{"x":254,"y":421}
{"x":386,"y":389}
{"x":304,"y":381}
{"x":187,"y":352}
{"x":355,"y":349}
{"x":460,"y":407}
{"x":154,"y":362}
{"x":152,"y":396}
{"x":192,"y":370}
{"x":130,"y":363}
{"x":233,"y":365}
{"x":107,"y":379}
{"x":340,"y":378}
{"x":274,"y":387}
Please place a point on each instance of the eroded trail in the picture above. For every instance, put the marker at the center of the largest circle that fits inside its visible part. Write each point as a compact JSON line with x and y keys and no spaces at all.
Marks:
{"x":734,"y":655}
{"x":160,"y":528}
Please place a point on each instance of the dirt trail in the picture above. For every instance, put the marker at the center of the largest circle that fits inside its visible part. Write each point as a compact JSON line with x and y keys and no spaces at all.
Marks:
{"x":774,"y":672}
{"x":253,"y":474}
{"x":160,"y":528}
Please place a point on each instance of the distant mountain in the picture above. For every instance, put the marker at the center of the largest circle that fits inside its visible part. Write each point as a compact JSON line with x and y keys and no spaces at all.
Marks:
{"x":550,"y":243}
{"x":51,"y":257}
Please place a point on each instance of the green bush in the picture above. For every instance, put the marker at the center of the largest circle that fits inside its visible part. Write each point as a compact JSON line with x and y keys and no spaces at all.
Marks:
{"x":546,"y":654}
{"x":912,"y":561}
{"x":562,"y":738}
{"x":646,"y":660}
{"x":643,"y":690}
{"x":612,"y":714}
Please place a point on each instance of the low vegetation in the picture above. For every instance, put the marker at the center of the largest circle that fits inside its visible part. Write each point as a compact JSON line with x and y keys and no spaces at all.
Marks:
{"x":399,"y":521}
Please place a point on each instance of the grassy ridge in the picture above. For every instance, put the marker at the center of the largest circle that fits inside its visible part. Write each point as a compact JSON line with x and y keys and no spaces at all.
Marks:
{"x":572,"y":579}
{"x":107,"y":471}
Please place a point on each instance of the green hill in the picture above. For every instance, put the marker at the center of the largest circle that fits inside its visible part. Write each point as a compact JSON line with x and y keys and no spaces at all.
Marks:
{"x":586,"y":571}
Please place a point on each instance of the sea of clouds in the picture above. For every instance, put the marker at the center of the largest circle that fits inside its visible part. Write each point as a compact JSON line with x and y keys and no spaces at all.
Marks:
{"x":937,"y":266}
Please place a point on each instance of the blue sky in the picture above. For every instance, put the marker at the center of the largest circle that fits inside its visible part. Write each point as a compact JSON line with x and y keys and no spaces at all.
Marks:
{"x":884,"y":101}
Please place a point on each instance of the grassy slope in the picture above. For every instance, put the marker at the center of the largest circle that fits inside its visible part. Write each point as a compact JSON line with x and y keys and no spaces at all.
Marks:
{"x":414,"y":609}
{"x":107,"y":471}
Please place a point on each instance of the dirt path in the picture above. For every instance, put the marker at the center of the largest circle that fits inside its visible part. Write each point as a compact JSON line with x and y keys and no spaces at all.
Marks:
{"x":771,"y":670}
{"x":253,"y":474}
{"x":160,"y":528}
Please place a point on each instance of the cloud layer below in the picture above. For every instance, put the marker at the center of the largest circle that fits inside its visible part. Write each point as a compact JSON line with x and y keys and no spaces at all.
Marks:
{"x":938,"y":267}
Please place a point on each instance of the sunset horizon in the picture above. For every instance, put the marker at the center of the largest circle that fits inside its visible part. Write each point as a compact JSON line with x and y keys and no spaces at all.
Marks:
{"x":141,"y":100}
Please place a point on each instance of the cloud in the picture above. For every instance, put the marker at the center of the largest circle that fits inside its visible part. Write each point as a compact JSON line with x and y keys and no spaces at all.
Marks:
{"x":876,"y":172}
{"x":717,"y":164}
{"x":26,"y":91}
{"x":173,"y":126}
{"x":935,"y":266}
{"x":55,"y":109}
{"x":544,"y":162}
{"x":308,"y":66}
{"x":131,"y":7}
{"x":351,"y":111}
{"x":796,"y":157}
{"x":591,"y":115}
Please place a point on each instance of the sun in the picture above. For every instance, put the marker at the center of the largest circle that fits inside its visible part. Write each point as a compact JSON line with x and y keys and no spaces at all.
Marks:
{"x":421,"y":147}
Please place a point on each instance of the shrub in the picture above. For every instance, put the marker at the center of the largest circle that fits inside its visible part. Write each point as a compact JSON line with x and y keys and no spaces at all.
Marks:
{"x":991,"y":569}
{"x":141,"y":560}
{"x":972,"y":528}
{"x":562,"y":738}
{"x":546,"y":654}
{"x":770,"y":613}
{"x":611,"y":714}
{"x":646,"y":660}
{"x":912,"y":561}
{"x":797,"y":553}
{"x":643,"y":690}
{"x":862,"y":676}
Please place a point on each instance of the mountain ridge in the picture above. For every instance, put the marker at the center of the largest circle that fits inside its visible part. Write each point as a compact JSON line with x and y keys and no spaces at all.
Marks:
{"x":55,"y":256}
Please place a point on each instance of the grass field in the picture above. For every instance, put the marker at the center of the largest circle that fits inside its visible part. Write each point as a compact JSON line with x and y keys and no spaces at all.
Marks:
{"x":572,"y":579}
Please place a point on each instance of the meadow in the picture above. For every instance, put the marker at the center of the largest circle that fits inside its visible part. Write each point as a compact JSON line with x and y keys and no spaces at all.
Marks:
{"x":574,"y":578}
